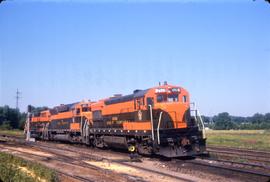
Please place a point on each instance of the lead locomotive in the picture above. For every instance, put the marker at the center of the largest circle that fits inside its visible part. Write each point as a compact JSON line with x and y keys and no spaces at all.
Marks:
{"x":157,"y":120}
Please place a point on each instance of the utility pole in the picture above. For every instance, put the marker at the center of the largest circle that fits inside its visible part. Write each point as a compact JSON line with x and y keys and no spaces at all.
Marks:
{"x":17,"y":98}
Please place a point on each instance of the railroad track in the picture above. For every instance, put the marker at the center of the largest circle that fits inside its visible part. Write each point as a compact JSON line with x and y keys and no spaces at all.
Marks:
{"x":64,"y":159}
{"x":87,"y":154}
{"x":79,"y":178}
{"x":220,"y":165}
{"x":254,"y":165}
{"x":249,"y":155}
{"x":59,"y":159}
{"x":260,"y":152}
{"x":124,"y":162}
{"x":79,"y":161}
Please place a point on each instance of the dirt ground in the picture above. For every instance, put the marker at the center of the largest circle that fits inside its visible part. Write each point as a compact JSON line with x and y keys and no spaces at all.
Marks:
{"x":81,"y":163}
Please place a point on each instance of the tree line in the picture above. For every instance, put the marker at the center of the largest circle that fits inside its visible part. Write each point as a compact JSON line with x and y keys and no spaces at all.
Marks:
{"x":224,"y":121}
{"x":11,"y":118}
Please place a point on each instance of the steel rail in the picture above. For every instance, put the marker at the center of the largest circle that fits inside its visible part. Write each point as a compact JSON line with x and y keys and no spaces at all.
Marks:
{"x":238,"y":149}
{"x":258,"y":157}
{"x":246,"y":171}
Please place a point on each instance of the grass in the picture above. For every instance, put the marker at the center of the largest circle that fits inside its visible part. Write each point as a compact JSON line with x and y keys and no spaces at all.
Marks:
{"x":247,"y":139}
{"x":18,"y":133}
{"x":13,"y":168}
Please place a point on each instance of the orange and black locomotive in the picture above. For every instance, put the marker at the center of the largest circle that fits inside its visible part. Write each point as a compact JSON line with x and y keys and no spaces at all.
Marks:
{"x":157,"y":120}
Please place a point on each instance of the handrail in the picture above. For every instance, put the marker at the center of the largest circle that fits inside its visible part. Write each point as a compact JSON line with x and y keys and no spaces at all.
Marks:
{"x":28,"y":133}
{"x":81,"y":124}
{"x":152,"y":124}
{"x":87,"y":127}
{"x":198,"y":119}
{"x":159,"y":120}
{"x":83,"y":130}
{"x":202,"y":123}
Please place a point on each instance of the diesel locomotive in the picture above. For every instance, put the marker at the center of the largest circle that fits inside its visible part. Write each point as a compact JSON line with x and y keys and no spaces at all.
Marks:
{"x":158,"y":120}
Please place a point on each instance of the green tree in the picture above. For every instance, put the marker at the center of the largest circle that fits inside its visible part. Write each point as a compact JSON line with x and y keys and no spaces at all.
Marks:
{"x":267,"y":118}
{"x":223,"y":122}
{"x":22,"y":120}
{"x":9,"y":117}
{"x":257,"y":118}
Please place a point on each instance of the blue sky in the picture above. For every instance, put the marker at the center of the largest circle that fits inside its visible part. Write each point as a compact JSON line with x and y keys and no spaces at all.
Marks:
{"x":60,"y":51}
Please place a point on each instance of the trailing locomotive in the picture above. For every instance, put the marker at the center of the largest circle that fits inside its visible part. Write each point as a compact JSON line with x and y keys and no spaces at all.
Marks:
{"x":158,"y":120}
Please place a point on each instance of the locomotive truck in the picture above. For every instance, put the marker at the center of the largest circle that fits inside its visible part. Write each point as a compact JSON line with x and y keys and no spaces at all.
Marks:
{"x":159,"y":120}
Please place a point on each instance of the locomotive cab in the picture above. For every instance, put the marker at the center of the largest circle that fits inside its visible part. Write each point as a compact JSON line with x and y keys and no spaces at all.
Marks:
{"x":173,"y":133}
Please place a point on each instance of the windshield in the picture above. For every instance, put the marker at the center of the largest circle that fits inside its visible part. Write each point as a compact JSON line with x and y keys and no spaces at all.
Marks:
{"x":167,"y":98}
{"x":173,"y":98}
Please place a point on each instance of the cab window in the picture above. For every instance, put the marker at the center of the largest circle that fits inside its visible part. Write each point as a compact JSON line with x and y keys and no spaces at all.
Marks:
{"x":85,"y":109}
{"x":173,"y":98}
{"x":150,"y":101}
{"x":184,"y":98}
{"x":161,"y":98}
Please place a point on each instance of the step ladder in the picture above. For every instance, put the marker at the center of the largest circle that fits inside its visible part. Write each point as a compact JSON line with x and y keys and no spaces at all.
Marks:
{"x":194,"y":112}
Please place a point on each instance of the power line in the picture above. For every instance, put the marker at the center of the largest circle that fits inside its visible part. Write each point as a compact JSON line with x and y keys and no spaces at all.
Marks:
{"x":17,"y":98}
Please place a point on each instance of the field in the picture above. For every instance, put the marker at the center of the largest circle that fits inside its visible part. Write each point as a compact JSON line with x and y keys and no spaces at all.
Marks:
{"x":13,"y":168}
{"x":17,"y":133}
{"x":16,"y":169}
{"x":248,"y":139}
